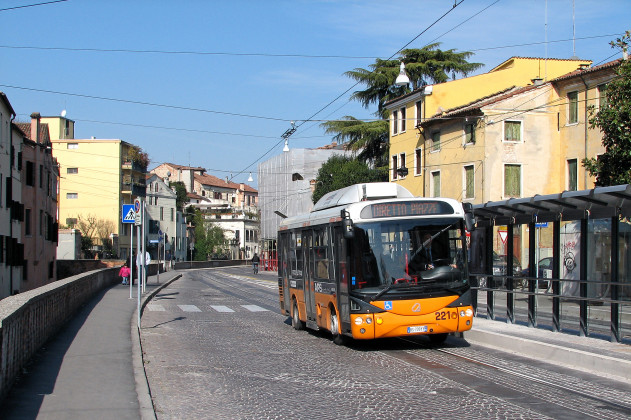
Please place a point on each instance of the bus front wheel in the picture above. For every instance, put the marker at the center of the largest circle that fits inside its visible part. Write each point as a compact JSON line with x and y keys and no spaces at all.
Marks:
{"x":295,"y":318}
{"x":335,"y":329}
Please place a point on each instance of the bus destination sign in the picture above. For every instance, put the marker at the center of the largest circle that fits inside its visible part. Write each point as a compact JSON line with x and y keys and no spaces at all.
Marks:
{"x":406,"y":208}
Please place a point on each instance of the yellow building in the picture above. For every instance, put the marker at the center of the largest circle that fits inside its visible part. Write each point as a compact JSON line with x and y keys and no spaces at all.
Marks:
{"x":97,"y":176}
{"x":408,"y":111}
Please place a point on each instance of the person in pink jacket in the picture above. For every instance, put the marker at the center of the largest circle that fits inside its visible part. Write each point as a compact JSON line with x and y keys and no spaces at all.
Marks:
{"x":124,"y":273}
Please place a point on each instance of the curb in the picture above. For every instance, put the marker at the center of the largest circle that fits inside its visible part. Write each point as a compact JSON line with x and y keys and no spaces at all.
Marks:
{"x":147,"y":411}
{"x":618,"y":369}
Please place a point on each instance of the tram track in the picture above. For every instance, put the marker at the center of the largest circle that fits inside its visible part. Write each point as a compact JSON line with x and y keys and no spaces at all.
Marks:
{"x":531,"y":385}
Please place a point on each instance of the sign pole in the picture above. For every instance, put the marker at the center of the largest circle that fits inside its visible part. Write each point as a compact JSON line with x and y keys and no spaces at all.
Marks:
{"x":143,"y":258}
{"x":138,"y":261}
{"x":131,"y":262}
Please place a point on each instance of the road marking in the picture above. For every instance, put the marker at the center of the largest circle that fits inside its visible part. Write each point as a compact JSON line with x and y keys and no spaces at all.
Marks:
{"x":254,"y":308}
{"x":155,"y":308}
{"x":220,"y":308}
{"x":189,"y":308}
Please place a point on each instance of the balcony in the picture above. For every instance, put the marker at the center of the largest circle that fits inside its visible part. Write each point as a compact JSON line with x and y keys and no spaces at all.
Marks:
{"x":130,"y":186}
{"x":132,"y":166}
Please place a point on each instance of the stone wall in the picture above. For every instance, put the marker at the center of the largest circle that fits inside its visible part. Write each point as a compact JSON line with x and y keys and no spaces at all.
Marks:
{"x":29,"y":319}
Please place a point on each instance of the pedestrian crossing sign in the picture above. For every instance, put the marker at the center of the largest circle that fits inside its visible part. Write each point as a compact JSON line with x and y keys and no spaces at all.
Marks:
{"x":129,"y":215}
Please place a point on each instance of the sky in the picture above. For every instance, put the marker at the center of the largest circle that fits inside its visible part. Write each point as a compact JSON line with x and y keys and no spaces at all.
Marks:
{"x":216,"y":83}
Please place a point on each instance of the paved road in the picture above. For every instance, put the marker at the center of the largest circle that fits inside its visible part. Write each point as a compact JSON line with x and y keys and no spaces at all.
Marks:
{"x":216,"y":346}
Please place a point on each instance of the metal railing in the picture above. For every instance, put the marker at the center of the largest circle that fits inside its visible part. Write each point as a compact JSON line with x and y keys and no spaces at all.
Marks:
{"x":600,"y":309}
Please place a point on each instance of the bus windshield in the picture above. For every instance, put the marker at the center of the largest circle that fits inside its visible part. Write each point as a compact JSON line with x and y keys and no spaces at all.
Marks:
{"x":409,"y":254}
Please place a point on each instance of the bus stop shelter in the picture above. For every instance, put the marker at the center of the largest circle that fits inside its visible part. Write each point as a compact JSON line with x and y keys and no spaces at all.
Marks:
{"x":586,"y":235}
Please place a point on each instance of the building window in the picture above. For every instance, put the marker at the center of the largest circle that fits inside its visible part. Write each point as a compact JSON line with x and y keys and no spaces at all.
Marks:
{"x":419,"y":112}
{"x":395,"y":122}
{"x":469,"y":133}
{"x":73,"y":145}
{"x":172,"y":214}
{"x":72,"y":170}
{"x":512,"y":180}
{"x":602,"y":95}
{"x":402,"y":164}
{"x":403,"y":119}
{"x":418,"y":156}
{"x":395,"y":166}
{"x":27,"y":222}
{"x":41,"y":223}
{"x":572,"y":98}
{"x":512,"y":131}
{"x":436,"y":141}
{"x":436,"y":184}
{"x":161,"y":213}
{"x":30,"y":173}
{"x":72,"y":196}
{"x":469,"y":182}
{"x":572,"y":175}
{"x":41,"y":176}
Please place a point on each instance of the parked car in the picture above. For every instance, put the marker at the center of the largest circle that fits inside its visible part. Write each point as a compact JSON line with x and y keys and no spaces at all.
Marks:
{"x":544,"y":271}
{"x":499,"y":269}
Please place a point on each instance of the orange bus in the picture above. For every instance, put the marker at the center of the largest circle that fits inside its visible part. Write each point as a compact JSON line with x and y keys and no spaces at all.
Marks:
{"x":372,"y":261}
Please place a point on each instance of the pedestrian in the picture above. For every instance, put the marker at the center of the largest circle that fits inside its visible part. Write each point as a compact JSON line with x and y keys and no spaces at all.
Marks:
{"x":142,"y":263}
{"x":124,"y":273}
{"x":255,"y":263}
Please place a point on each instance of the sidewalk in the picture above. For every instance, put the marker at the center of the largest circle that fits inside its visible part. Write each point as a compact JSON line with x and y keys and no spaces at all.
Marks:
{"x":91,"y":368}
{"x":592,"y":355}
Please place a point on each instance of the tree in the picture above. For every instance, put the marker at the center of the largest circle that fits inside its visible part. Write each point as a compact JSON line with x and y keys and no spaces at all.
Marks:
{"x":95,"y":231}
{"x":342,"y":171}
{"x":181,"y":194}
{"x":614,"y":121}
{"x":209,"y":238}
{"x":369,"y":138}
{"x":422,"y":65}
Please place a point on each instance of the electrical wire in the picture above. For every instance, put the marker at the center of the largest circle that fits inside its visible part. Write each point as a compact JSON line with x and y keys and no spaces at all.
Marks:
{"x":32,"y":5}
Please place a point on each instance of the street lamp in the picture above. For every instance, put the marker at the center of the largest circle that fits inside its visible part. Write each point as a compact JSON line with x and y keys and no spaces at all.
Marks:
{"x":402,"y":78}
{"x":250,"y":179}
{"x":287,"y":134}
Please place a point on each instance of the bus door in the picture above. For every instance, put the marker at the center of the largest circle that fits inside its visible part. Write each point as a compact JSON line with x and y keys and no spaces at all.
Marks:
{"x":307,"y":246}
{"x":284,"y":269}
{"x":341,"y":267}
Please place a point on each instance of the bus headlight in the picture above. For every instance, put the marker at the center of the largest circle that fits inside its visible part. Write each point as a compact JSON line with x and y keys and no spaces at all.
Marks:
{"x":368,"y":320}
{"x":379,"y":320}
{"x":358,"y":320}
{"x":462,"y":314}
{"x":469,"y":312}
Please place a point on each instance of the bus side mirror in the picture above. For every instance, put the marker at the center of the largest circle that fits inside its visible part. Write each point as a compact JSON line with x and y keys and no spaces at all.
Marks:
{"x":347,"y":225}
{"x":469,"y":219}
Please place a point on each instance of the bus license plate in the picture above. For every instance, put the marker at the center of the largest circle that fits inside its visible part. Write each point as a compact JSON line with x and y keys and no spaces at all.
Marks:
{"x":419,"y":329}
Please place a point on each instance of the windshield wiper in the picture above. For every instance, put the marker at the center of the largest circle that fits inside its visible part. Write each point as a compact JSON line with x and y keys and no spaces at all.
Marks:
{"x":391,"y":286}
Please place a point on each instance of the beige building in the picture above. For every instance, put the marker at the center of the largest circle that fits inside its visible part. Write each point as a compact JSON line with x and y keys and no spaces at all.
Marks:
{"x":39,"y":198}
{"x":409,"y":111}
{"x":97,"y":176}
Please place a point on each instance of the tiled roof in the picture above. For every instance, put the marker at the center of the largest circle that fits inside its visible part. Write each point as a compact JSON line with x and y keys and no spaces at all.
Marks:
{"x":247,"y":188}
{"x":481,"y":102}
{"x":182,"y":167}
{"x":211,"y":180}
{"x":25,"y":128}
{"x":608,"y":65}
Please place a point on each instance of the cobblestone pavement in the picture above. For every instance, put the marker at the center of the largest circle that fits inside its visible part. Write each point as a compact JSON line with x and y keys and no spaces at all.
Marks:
{"x":217,"y":347}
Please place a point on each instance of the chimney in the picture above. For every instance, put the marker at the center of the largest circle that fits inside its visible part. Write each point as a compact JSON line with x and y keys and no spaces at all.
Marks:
{"x":537,"y":81}
{"x":35,"y":123}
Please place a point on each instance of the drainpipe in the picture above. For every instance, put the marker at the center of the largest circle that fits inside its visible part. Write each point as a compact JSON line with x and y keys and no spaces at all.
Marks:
{"x":586,"y":134}
{"x":10,"y":211}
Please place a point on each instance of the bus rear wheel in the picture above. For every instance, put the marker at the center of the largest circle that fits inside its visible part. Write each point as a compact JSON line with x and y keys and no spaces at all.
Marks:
{"x":295,"y":318}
